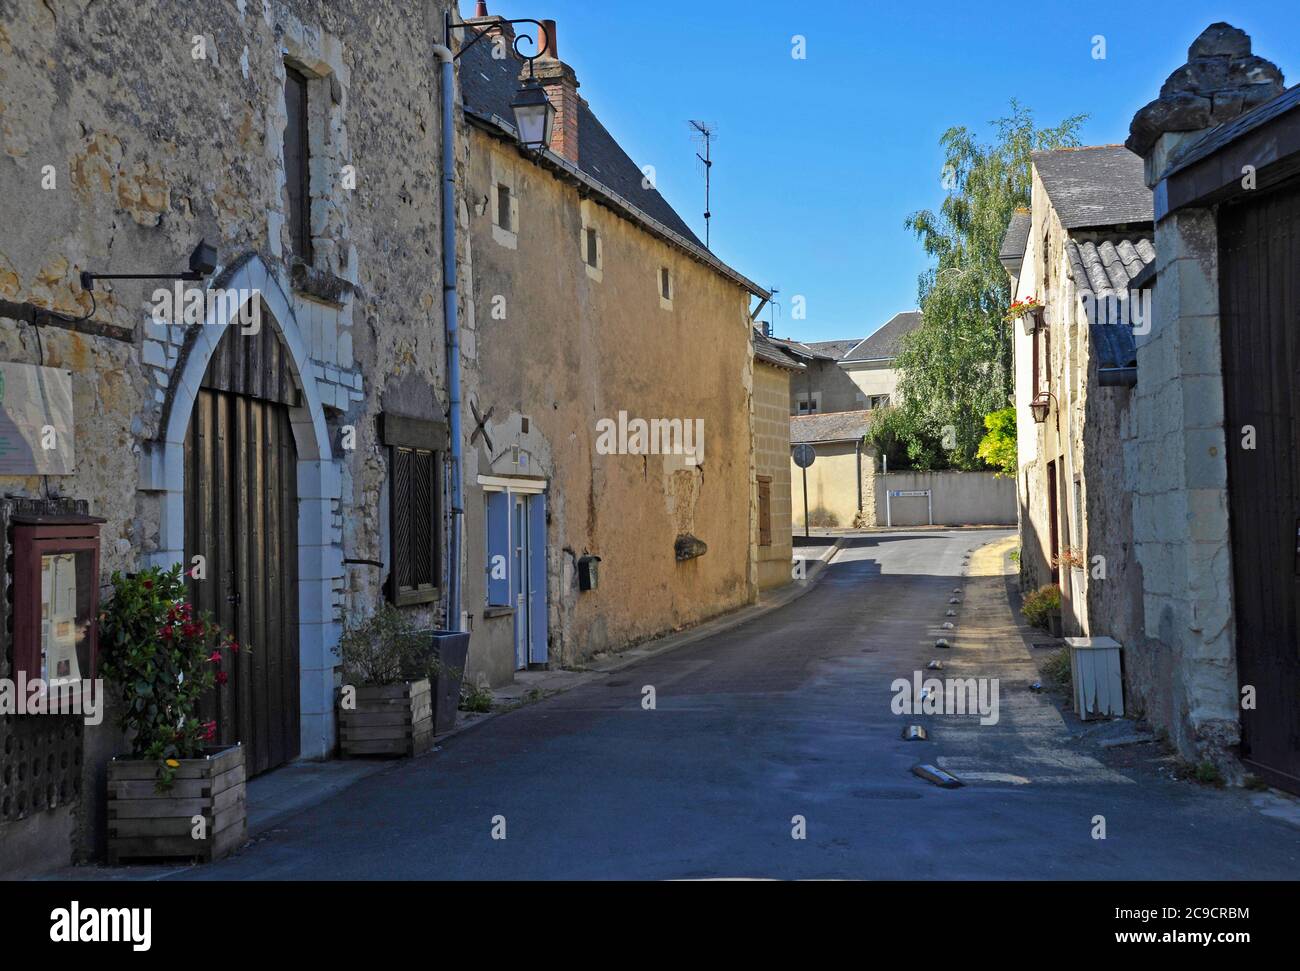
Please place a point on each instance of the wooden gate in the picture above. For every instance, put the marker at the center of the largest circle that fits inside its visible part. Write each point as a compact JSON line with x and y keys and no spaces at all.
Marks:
{"x":241,"y":514}
{"x":1260,"y":307}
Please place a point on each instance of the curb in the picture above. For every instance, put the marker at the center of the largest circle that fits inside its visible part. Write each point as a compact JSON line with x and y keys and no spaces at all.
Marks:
{"x":668,"y":642}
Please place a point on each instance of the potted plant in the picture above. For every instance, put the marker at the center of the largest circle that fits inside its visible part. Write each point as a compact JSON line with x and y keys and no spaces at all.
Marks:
{"x":386,"y":704}
{"x":1070,"y":557}
{"x":176,"y":794}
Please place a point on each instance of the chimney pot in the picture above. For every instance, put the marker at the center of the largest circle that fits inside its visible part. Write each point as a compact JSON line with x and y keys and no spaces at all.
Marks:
{"x":481,"y":10}
{"x":550,"y":46}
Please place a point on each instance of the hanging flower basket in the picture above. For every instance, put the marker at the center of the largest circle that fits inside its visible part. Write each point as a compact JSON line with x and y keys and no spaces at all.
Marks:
{"x":1022,"y":308}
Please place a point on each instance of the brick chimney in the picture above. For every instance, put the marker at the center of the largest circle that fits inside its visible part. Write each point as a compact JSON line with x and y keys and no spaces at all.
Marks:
{"x":1221,"y":80}
{"x":561,"y":84}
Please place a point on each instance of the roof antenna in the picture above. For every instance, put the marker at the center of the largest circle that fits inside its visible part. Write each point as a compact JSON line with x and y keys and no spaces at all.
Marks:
{"x":772,"y":308}
{"x":706,"y":132}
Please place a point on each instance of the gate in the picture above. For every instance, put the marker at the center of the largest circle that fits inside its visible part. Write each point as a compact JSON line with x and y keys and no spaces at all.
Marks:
{"x":1260,"y":307}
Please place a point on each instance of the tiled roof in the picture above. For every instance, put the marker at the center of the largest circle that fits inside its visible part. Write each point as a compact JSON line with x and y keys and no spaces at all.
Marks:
{"x":833,"y":426}
{"x":1105,"y":271}
{"x":802,"y":350}
{"x":886,"y":342}
{"x":1092,"y":187}
{"x":1017,"y":237}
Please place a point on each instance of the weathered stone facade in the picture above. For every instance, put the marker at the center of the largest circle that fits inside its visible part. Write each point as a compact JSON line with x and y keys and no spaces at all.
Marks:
{"x":772,"y":464}
{"x":118,"y":156}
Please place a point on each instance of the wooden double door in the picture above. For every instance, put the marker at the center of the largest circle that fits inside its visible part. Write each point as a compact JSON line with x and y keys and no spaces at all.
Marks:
{"x":1260,"y":309}
{"x":241,"y":501}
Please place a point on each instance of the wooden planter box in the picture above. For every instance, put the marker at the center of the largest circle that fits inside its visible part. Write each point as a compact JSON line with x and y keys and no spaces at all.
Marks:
{"x":391,"y":719}
{"x":144,"y":823}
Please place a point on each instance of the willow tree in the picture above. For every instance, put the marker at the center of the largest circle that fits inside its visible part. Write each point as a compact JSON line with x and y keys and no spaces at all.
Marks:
{"x":956,"y":367}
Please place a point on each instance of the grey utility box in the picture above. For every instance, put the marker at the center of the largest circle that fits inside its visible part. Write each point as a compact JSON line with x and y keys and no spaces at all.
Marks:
{"x":1098,"y":678}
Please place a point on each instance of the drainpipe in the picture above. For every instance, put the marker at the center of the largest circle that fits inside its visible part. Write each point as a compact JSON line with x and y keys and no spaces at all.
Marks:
{"x":449,"y":313}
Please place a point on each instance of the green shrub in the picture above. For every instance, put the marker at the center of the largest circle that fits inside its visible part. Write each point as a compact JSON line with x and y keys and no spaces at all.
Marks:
{"x":1041,"y":604}
{"x":386,"y":648}
{"x":1057,"y":670}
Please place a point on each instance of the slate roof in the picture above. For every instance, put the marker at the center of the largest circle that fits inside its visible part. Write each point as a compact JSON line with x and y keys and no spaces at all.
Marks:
{"x":1092,"y":187}
{"x":834,"y":349}
{"x":886,"y":342}
{"x":488,"y":85}
{"x":767,"y":349}
{"x":800,"y":349}
{"x":833,"y":426}
{"x":1016,"y":239}
{"x":1107,"y":270}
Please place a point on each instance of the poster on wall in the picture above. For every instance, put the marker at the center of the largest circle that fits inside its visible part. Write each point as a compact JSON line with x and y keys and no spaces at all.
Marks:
{"x":35,"y":420}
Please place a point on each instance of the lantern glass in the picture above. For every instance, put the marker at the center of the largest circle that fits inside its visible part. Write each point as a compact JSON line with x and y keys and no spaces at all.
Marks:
{"x":534,"y":116}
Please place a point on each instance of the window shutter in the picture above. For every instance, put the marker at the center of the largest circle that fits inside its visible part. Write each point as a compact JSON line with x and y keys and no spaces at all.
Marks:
{"x":498,"y":549}
{"x":764,"y":512}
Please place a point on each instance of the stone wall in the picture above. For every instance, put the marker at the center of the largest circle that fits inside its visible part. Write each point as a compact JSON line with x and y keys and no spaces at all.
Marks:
{"x":128,"y":132}
{"x":557,"y":346}
{"x":772,"y":459}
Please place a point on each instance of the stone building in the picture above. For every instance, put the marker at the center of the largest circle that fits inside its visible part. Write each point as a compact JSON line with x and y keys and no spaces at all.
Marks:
{"x":257,"y":426}
{"x":850,"y":375}
{"x":1079,"y":253}
{"x":841,"y":482}
{"x":1216,"y":491}
{"x":613,"y":469}
{"x":774,"y":371}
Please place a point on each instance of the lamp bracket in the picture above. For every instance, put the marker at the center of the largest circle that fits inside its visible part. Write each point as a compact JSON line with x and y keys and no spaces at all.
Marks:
{"x":480,"y":34}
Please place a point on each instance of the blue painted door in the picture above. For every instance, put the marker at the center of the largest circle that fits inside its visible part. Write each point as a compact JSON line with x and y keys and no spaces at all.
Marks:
{"x":537,"y":579}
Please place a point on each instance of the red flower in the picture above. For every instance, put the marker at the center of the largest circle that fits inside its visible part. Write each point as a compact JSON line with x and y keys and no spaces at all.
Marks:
{"x":215,"y":657}
{"x":209,"y":731}
{"x":222,"y":677}
{"x":148,"y":584}
{"x":234,"y":646}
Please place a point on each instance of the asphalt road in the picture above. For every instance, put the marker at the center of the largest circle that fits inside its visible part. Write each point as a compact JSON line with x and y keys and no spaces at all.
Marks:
{"x":789,"y":715}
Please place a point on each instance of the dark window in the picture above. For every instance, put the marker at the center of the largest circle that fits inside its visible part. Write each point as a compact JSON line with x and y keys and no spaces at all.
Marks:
{"x":665,"y":284}
{"x":503,"y":207}
{"x":297,"y":161}
{"x":764,"y":510}
{"x":591,"y":248}
{"x":415,"y":484}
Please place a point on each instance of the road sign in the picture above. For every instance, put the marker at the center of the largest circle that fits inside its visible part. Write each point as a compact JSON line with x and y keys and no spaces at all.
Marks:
{"x":803,"y":455}
{"x":910,"y":492}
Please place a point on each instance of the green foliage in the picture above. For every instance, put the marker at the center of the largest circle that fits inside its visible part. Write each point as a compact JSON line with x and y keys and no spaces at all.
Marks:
{"x":476,"y":699}
{"x":956,"y":367}
{"x":1057,"y":670}
{"x":386,"y":648}
{"x":1040,"y":604}
{"x":897,"y":434}
{"x":998,"y":447}
{"x":162,"y":658}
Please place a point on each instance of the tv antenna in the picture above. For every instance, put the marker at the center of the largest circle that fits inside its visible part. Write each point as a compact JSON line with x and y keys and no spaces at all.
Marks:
{"x":706,"y":132}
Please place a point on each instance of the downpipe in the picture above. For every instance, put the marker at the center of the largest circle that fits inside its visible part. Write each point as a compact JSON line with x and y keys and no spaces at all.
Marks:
{"x":452,"y":324}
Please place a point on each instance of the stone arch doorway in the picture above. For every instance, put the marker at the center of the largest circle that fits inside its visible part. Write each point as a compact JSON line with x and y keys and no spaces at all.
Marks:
{"x":319,"y":561}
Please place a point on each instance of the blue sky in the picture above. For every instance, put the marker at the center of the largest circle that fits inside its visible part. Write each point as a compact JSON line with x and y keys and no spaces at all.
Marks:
{"x":819,"y":161}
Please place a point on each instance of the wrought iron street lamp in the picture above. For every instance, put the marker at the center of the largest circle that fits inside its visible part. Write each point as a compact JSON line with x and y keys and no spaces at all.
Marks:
{"x":533,"y":111}
{"x":534,"y":116}
{"x":1041,"y":405}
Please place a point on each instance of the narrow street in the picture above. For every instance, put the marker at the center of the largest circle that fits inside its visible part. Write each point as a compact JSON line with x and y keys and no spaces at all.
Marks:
{"x":788,"y":715}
